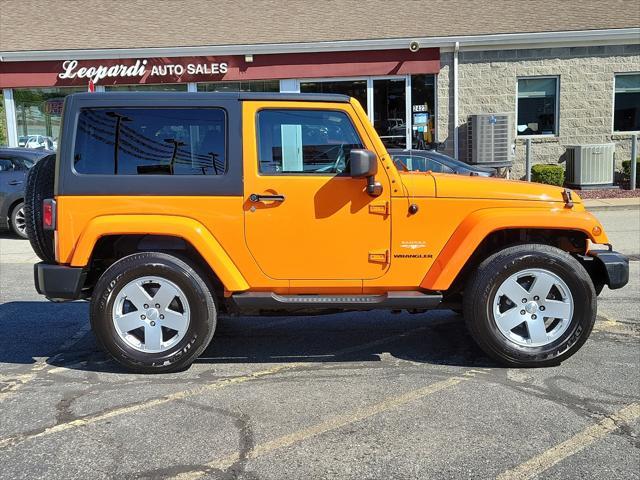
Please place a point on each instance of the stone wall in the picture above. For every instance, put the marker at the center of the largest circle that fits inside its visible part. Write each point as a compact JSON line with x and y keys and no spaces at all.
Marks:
{"x":488,"y":84}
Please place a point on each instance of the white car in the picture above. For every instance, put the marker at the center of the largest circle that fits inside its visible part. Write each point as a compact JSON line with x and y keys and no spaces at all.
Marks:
{"x":40,"y":141}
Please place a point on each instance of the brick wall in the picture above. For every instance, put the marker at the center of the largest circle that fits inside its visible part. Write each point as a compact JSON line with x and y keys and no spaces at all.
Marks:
{"x":488,"y":83}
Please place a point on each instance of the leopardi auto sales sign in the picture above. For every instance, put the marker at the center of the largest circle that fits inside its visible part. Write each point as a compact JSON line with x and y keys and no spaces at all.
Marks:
{"x":142,"y":71}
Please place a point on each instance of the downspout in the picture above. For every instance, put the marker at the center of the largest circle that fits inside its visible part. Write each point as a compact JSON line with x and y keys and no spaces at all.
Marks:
{"x":456,"y":49}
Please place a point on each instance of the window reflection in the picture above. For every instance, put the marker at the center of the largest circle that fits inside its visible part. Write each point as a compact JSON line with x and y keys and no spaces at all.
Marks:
{"x":352,"y":88}
{"x":390,"y":111}
{"x":155,"y":87}
{"x":252,"y":86}
{"x":151,"y":141}
{"x":537,"y":106}
{"x":305,"y":141}
{"x":38,"y":115}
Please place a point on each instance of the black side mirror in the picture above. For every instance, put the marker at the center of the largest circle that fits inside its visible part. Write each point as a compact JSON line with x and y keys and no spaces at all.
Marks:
{"x":364,"y":164}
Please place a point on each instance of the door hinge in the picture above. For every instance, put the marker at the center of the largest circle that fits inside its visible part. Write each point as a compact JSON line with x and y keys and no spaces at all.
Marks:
{"x":379,"y":256}
{"x":379,"y":208}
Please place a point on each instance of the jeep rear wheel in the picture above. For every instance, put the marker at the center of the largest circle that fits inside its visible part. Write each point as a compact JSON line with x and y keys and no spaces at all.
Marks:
{"x":530,"y":305}
{"x":39,"y":187}
{"x":153,"y":312}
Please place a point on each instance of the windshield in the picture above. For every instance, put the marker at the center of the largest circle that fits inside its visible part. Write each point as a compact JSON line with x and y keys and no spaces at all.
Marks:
{"x":441,"y":157}
{"x":28,"y":162}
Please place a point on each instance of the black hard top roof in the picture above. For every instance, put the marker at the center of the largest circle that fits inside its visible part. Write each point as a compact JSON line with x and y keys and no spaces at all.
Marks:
{"x":298,"y":97}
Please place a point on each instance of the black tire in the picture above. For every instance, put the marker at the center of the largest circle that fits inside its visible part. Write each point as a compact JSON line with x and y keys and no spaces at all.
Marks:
{"x":201,"y":305}
{"x":40,"y":187}
{"x":483,"y":285}
{"x":17,"y":216}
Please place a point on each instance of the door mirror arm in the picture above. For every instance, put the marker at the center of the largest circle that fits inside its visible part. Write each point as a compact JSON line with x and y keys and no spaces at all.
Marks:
{"x":364,"y":164}
{"x":373,"y":188}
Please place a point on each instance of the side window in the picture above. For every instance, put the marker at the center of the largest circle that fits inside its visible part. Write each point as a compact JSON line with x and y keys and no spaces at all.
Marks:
{"x":418,"y":163}
{"x":435,"y":166}
{"x":5,"y":165}
{"x":151,"y":141}
{"x":305,"y":141}
{"x":20,"y":163}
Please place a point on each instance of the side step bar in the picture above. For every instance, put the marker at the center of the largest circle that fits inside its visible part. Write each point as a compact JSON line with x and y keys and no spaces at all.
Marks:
{"x":258,"y":301}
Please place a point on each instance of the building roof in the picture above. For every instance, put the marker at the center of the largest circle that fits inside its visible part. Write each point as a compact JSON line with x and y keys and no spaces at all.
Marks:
{"x":42,"y":25}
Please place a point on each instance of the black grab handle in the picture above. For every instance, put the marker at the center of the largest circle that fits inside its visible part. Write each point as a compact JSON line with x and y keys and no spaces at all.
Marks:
{"x":254,"y":197}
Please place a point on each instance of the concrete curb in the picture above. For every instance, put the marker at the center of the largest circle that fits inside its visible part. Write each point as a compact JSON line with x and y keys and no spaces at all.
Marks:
{"x":608,"y":204}
{"x":608,"y":208}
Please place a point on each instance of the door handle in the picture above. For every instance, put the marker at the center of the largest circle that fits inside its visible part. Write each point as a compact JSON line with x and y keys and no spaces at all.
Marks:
{"x":15,"y":182}
{"x":254,"y":197}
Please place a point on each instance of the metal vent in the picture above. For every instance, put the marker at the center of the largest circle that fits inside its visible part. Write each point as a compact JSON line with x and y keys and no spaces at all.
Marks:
{"x":590,"y":165}
{"x":490,"y":139}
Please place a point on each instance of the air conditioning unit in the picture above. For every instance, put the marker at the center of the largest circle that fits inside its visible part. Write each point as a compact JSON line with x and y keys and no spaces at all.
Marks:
{"x":490,"y":138}
{"x":590,"y":166}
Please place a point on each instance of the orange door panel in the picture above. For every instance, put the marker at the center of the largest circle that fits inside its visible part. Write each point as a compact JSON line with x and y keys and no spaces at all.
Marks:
{"x":326,"y":226}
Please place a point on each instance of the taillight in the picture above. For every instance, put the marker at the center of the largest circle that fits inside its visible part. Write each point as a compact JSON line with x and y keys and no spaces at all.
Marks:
{"x":49,"y":214}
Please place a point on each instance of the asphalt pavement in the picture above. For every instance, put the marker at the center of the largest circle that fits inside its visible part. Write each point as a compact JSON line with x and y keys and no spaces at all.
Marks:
{"x":349,"y":396}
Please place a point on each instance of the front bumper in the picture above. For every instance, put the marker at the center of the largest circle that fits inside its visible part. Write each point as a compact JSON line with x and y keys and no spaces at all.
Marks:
{"x":58,"y":282}
{"x":607,"y":267}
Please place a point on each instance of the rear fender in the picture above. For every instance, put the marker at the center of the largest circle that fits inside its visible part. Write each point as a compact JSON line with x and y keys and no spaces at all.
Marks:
{"x":188,"y":229}
{"x":475,"y":227}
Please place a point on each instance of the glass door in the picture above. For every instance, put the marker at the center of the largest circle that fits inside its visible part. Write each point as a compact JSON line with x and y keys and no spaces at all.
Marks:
{"x":356,"y":88}
{"x":390,"y":111}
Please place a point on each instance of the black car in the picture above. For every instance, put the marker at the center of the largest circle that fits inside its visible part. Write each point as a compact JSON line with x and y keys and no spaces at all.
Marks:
{"x":14,"y":165}
{"x":425,"y":160}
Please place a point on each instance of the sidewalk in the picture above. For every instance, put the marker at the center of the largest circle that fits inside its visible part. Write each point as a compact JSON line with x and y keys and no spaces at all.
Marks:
{"x":15,"y":250}
{"x":603,"y":204}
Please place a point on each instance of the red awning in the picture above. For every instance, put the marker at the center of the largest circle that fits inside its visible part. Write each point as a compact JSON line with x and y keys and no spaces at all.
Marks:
{"x":218,"y":68}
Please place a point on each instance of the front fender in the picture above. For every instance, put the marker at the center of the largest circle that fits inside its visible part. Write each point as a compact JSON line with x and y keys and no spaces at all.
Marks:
{"x":188,"y":229}
{"x":476,"y":226}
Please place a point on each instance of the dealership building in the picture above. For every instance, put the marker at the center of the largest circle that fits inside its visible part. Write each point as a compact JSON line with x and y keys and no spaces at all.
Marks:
{"x":557,"y":73}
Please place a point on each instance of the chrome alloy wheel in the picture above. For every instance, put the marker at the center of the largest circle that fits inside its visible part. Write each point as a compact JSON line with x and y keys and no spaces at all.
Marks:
{"x":151,"y":314}
{"x":20,"y":222}
{"x":533,"y":307}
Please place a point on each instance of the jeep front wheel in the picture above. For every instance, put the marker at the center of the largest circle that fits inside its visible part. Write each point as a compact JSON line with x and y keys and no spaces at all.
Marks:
{"x":530,"y":305}
{"x":153,"y":313}
{"x":18,"y":222}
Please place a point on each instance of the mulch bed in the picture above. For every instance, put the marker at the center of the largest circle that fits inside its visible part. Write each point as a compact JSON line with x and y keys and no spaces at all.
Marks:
{"x":609,"y":193}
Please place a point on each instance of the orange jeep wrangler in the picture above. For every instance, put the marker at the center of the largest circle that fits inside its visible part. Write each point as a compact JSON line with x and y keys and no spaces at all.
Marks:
{"x":167,"y":210}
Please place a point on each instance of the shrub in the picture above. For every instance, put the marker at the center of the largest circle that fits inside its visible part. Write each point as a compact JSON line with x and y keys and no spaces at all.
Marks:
{"x":549,"y":174}
{"x":626,"y":170}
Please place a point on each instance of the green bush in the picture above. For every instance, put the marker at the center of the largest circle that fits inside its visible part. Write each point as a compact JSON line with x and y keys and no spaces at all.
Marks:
{"x":549,"y":174}
{"x":626,"y":170}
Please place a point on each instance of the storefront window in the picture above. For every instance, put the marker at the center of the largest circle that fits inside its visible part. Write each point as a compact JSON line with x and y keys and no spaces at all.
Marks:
{"x":626,"y":110}
{"x":389,"y":111}
{"x":538,"y":106}
{"x":3,"y":120}
{"x":253,"y":86}
{"x":423,"y":96}
{"x":156,"y":87}
{"x":38,"y":114}
{"x":353,"y":88}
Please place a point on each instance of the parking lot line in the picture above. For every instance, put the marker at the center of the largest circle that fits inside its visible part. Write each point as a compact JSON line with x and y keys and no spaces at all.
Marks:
{"x":14,"y":440}
{"x":331,"y":424}
{"x":540,"y":463}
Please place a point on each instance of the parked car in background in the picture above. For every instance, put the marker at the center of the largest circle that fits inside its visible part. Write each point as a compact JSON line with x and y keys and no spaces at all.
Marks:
{"x":40,"y":142}
{"x":432,"y":160}
{"x":14,"y":165}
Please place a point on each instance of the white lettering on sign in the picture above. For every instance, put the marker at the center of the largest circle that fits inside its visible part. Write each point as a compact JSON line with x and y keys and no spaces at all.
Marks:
{"x":138,"y":69}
